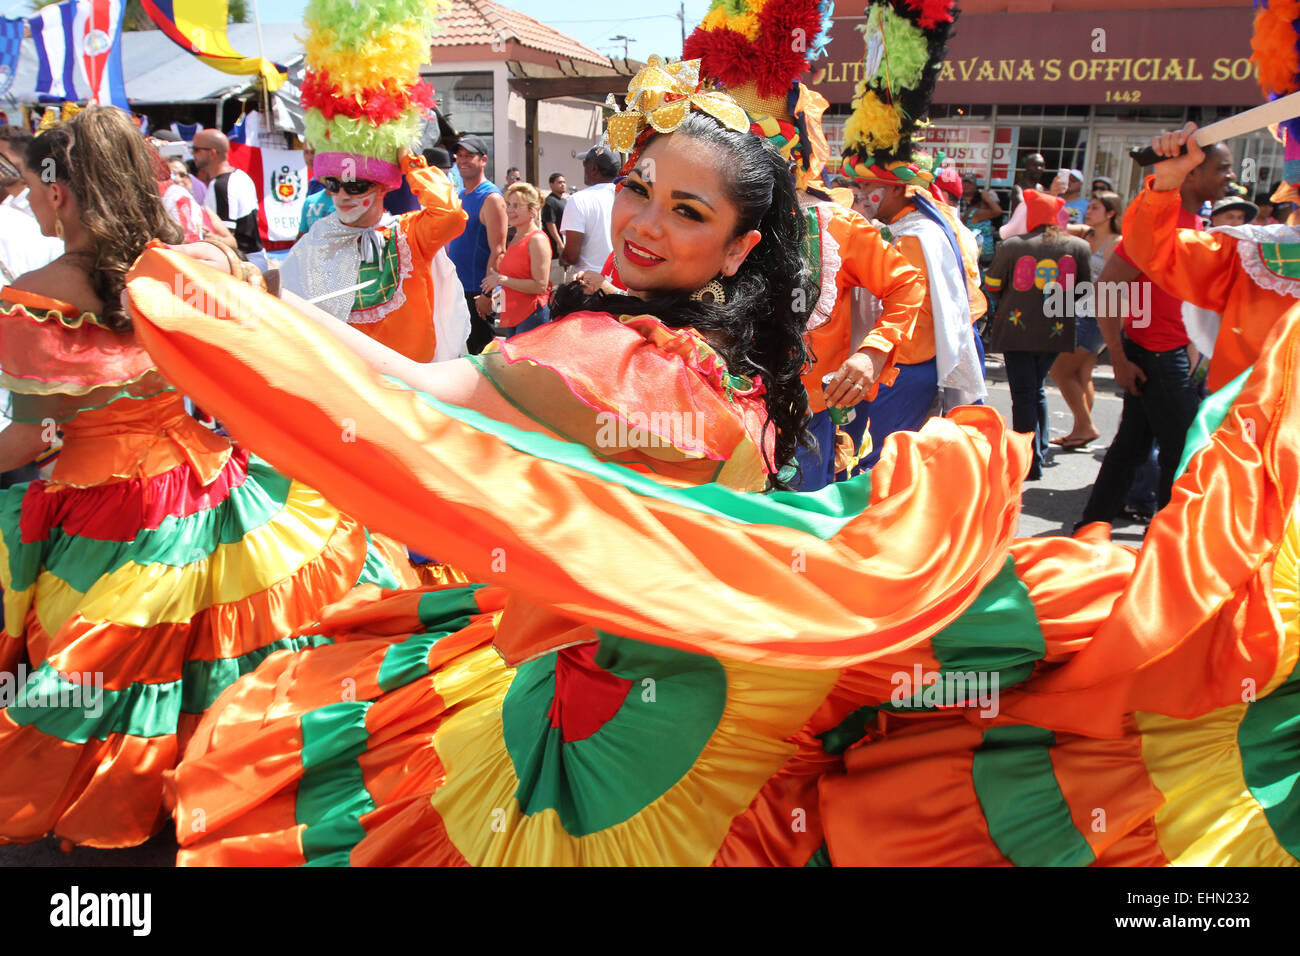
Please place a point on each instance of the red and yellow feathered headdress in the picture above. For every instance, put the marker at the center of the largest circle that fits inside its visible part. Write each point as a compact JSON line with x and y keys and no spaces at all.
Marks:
{"x":362,"y":93}
{"x":758,"y":50}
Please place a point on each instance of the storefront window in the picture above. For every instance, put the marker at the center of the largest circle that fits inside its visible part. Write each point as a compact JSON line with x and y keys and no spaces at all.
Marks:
{"x":1062,"y":147}
{"x":1039,"y":111}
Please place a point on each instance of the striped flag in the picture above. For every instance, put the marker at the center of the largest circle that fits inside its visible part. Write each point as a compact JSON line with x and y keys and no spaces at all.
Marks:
{"x":79,"y":51}
{"x":52,"y":34}
{"x":11,"y":41}
{"x":199,"y":27}
{"x":97,"y":39}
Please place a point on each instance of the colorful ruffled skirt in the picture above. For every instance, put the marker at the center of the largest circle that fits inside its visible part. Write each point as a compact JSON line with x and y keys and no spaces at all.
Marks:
{"x":129,"y":606}
{"x":875,"y":672}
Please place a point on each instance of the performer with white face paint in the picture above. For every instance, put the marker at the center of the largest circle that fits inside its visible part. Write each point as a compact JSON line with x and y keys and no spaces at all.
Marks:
{"x":387,"y":275}
{"x":396,"y":260}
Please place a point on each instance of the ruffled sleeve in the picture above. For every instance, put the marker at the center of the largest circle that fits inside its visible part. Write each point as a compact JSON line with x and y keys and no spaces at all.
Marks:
{"x":47,"y":348}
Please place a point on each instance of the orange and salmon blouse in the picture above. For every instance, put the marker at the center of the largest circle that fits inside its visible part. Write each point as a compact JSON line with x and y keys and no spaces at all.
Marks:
{"x":665,"y":403}
{"x":118,"y":418}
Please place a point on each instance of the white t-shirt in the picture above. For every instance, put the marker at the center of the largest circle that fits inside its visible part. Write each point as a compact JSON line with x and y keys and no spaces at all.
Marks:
{"x":241,"y":197}
{"x":180,"y":205}
{"x":22,"y":246}
{"x":588,"y":212}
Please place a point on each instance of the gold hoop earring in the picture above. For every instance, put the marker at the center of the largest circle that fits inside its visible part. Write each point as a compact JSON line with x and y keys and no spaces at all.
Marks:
{"x":58,"y":227}
{"x":711,"y":293}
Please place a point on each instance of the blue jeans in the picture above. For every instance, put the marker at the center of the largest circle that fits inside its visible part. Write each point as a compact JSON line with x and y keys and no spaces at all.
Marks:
{"x":901,"y":407}
{"x":1026,"y":373}
{"x":1144,"y":493}
{"x":1163,"y":411}
{"x":538,"y":317}
{"x":817,"y":468}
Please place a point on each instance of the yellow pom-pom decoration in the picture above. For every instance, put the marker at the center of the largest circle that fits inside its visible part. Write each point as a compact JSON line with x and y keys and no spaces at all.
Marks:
{"x":874,"y":125}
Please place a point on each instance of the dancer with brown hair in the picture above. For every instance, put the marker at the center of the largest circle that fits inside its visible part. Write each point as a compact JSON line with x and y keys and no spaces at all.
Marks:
{"x":158,"y":562}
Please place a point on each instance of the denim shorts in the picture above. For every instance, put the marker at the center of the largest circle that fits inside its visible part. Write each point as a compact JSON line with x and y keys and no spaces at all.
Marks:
{"x":538,"y":317}
{"x":1087,"y":334}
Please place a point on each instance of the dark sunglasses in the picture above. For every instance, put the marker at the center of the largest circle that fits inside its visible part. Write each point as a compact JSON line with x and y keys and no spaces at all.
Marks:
{"x":353,"y":187}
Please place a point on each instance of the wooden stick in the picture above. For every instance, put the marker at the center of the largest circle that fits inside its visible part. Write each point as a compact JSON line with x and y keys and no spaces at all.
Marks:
{"x":1283,"y":108}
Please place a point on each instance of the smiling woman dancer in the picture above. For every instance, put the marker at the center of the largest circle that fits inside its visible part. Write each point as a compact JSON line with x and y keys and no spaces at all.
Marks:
{"x":158,"y":562}
{"x":872,"y":673}
{"x":692,"y":377}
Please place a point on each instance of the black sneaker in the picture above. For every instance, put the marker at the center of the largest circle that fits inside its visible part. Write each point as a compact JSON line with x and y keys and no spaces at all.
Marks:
{"x":1138,"y":515}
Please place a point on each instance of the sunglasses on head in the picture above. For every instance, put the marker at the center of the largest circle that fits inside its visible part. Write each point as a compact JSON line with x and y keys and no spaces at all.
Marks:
{"x":353,"y":187}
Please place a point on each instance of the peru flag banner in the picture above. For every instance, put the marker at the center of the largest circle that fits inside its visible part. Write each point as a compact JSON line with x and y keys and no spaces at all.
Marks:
{"x":280,"y":176}
{"x":284,"y":187}
{"x":97,"y":34}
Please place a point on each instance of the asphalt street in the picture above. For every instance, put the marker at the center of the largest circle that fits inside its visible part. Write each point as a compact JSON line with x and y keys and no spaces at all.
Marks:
{"x":1050,"y":506}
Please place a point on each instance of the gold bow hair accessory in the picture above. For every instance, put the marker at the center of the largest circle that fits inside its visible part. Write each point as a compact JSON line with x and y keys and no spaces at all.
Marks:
{"x":661,"y":95}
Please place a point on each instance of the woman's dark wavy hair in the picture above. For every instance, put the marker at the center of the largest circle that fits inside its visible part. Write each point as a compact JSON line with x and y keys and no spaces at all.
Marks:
{"x":759,"y":329}
{"x":101,"y":156}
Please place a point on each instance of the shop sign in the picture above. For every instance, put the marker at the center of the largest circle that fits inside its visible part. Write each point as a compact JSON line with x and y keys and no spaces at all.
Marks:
{"x":1139,"y":57}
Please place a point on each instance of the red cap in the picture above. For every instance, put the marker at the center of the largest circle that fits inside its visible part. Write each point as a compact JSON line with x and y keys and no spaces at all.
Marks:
{"x":949,"y":180}
{"x":1044,"y":210}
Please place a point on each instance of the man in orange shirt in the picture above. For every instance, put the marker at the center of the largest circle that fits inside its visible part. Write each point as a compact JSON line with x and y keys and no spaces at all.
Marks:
{"x":394,"y":255}
{"x":943,"y":351}
{"x":1246,"y":274}
{"x":852,"y":255}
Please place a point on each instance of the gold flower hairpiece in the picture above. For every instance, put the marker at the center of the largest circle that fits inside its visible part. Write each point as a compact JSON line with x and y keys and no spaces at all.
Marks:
{"x":661,"y":95}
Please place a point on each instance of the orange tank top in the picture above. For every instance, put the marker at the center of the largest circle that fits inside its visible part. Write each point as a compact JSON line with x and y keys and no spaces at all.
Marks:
{"x":516,"y":264}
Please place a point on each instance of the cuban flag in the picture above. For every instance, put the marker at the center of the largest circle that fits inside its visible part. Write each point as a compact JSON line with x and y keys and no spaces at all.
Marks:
{"x":97,"y":39}
{"x":56,"y":66}
{"x":11,"y":41}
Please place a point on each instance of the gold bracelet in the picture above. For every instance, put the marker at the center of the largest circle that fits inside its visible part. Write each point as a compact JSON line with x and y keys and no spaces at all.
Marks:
{"x":253,"y":276}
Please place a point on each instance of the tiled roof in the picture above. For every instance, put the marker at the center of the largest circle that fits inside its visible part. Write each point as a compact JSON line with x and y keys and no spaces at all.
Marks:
{"x":475,"y":22}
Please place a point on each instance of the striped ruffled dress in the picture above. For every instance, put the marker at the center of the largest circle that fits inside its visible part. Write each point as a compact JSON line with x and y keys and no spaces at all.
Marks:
{"x":156,"y":565}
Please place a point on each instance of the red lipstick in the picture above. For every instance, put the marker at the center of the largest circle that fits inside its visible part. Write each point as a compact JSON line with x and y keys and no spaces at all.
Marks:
{"x":639,"y":256}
